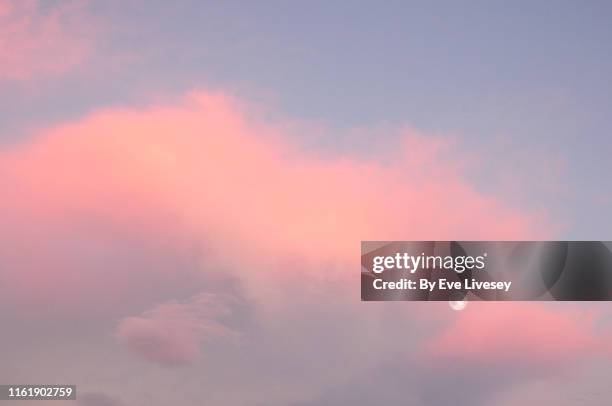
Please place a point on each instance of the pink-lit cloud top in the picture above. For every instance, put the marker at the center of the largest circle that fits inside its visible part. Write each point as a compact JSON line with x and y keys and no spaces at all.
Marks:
{"x":202,"y":171}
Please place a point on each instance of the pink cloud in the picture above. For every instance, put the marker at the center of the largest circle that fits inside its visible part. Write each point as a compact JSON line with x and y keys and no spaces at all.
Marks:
{"x":521,"y":335}
{"x":42,"y":40}
{"x":206,"y":172}
{"x":172,"y":333}
{"x":92,"y":208}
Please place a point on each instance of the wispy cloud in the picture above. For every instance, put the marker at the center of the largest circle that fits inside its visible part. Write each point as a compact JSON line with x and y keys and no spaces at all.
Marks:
{"x":40,"y":39}
{"x":173,"y":333}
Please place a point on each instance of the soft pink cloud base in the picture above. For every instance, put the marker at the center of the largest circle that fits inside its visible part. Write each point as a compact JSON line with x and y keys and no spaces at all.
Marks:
{"x":522,"y":335}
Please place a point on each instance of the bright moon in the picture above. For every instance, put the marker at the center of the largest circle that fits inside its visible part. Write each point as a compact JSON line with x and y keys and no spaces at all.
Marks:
{"x":457,"y":304}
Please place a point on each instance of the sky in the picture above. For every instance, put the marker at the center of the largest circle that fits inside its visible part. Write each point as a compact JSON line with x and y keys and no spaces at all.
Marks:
{"x":185,"y":186}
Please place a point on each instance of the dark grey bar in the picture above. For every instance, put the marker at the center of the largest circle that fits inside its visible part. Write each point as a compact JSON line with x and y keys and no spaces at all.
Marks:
{"x":38,"y":392}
